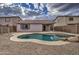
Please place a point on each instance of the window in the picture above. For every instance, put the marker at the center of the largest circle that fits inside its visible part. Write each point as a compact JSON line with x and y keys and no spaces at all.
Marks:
{"x":1,"y":19}
{"x":7,"y":19}
{"x":71,"y":19}
{"x":25,"y":26}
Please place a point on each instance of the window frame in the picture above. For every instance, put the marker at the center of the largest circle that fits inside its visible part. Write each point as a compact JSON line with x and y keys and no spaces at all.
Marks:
{"x":25,"y":26}
{"x":71,"y":19}
{"x":7,"y":19}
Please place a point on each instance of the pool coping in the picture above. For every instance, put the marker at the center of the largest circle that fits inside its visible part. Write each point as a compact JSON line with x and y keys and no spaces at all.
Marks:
{"x":14,"y":38}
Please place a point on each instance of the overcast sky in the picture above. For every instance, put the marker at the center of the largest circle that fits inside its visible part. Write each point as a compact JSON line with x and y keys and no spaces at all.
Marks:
{"x":39,"y":10}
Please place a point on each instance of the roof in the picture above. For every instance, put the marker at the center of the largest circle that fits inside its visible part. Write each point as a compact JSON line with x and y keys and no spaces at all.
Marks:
{"x":35,"y":22}
{"x":10,"y":17}
{"x":68,"y":16}
{"x":64,"y":23}
{"x":64,"y":16}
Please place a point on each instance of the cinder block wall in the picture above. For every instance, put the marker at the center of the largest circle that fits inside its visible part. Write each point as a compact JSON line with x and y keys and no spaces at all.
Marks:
{"x":78,"y":28}
{"x":69,"y":28}
{"x":72,"y":28}
{"x":6,"y":29}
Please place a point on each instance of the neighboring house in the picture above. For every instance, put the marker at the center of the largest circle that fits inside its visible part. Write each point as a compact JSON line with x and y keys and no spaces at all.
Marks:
{"x":67,"y":24}
{"x":10,"y":21}
{"x":34,"y":25}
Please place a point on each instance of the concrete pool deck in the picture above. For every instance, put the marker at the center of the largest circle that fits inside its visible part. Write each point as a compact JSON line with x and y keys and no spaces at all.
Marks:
{"x":15,"y":35}
{"x":8,"y":47}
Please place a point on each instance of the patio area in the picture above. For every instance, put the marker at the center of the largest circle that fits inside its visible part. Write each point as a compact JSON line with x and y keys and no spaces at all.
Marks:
{"x":8,"y":47}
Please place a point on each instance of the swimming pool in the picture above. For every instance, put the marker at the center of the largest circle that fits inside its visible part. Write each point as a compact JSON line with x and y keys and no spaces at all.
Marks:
{"x":44,"y":37}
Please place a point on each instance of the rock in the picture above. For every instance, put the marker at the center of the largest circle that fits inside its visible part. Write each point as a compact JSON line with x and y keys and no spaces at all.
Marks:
{"x":65,"y":39}
{"x":74,"y":39}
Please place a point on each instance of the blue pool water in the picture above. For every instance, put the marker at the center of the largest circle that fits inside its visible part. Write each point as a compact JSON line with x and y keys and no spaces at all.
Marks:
{"x":44,"y":37}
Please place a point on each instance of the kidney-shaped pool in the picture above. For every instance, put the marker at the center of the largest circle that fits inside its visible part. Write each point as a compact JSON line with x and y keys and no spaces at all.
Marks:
{"x":44,"y":37}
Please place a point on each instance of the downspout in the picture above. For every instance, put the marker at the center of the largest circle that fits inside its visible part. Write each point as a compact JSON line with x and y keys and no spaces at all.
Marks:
{"x":76,"y":29}
{"x":53,"y":26}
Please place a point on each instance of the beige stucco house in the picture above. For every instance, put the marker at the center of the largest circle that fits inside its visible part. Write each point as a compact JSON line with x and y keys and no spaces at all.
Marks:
{"x":8,"y":22}
{"x":61,"y":23}
{"x":16,"y":24}
{"x":34,"y":25}
{"x":67,"y":24}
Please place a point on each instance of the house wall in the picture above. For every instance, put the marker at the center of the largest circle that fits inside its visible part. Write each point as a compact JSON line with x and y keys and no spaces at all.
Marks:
{"x":9,"y":20}
{"x":69,"y":28}
{"x":60,"y":21}
{"x":33,"y":27}
{"x":77,"y":28}
{"x":63,"y":21}
{"x":64,"y":25}
{"x":8,"y":23}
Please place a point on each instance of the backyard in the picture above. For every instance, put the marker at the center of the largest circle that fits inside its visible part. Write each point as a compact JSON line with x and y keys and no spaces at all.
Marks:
{"x":8,"y":47}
